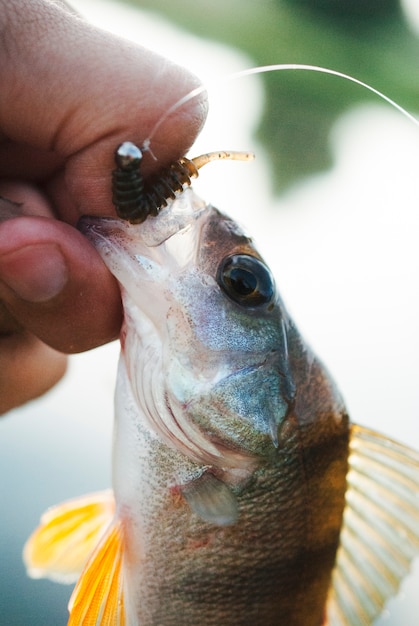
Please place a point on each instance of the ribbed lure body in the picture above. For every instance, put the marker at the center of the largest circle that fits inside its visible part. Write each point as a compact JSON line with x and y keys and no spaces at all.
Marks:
{"x":135,"y":200}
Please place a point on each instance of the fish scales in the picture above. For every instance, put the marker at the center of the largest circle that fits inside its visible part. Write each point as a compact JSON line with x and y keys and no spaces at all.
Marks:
{"x":240,"y":574}
{"x":237,"y":474}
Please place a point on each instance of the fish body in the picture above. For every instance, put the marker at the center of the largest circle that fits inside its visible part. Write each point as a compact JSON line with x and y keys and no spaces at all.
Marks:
{"x":209,"y":422}
{"x":234,"y":458}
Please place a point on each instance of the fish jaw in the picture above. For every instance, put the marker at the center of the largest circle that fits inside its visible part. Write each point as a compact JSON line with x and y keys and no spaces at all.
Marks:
{"x":221,"y":381}
{"x":141,"y":256}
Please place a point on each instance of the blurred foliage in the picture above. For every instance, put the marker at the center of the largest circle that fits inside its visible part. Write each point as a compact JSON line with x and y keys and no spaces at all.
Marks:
{"x":367,"y":39}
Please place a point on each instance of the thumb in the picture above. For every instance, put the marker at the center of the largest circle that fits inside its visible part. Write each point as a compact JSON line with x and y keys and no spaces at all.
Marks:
{"x":71,"y":93}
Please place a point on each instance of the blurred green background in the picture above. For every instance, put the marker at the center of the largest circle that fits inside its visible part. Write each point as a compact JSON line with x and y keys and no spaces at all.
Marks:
{"x":370,"y":40}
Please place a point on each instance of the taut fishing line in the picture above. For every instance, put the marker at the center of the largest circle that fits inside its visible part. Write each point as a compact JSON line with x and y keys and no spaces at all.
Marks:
{"x":278,"y":67}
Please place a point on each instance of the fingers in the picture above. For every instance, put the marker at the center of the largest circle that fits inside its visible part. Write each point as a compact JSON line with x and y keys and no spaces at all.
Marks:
{"x":42,"y":291}
{"x":18,"y":198}
{"x":70,"y":94}
{"x":56,"y":286}
{"x":74,"y":93}
{"x":28,"y":369}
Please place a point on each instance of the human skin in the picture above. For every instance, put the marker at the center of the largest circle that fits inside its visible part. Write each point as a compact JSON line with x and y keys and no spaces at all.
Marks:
{"x":70,"y":94}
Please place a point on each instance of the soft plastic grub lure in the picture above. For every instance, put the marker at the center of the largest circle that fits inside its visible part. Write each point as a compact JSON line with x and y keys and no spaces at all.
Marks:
{"x":135,"y":201}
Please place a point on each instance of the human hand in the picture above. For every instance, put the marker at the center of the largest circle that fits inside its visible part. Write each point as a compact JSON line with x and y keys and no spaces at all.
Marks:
{"x":70,"y":94}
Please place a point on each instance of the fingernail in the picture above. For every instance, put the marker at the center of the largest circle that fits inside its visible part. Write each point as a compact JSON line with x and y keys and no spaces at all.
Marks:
{"x":36,"y":273}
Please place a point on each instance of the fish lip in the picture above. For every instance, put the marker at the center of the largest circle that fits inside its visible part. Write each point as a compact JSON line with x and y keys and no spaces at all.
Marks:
{"x":106,"y":234}
{"x":88,"y":223}
{"x":178,"y":214}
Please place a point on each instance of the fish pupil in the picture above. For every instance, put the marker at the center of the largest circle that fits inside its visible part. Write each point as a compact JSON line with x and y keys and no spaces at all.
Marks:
{"x":245,"y":280}
{"x":242,"y":281}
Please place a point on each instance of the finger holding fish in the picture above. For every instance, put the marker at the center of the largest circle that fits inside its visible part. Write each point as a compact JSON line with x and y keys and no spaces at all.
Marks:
{"x":54,"y":163}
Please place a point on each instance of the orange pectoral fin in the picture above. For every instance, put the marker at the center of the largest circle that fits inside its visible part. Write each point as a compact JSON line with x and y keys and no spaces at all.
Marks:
{"x":59,"y":548}
{"x":98,"y":598}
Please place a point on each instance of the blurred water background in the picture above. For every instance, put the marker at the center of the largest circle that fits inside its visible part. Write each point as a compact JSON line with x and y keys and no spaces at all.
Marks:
{"x":342,"y":243}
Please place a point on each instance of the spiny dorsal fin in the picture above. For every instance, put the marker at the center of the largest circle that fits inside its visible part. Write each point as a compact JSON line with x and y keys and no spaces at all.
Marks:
{"x":98,"y":598}
{"x":59,"y":548}
{"x":380,"y":531}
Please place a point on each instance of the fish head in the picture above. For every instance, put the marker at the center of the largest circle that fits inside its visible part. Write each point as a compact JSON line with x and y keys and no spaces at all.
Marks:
{"x":205,"y":336}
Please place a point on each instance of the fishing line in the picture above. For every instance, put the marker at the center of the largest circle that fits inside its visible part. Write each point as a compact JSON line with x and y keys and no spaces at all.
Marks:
{"x":263,"y":69}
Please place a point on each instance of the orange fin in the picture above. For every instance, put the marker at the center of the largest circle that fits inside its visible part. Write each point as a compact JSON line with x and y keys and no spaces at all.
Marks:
{"x":67,"y":535}
{"x":98,"y":598}
{"x":380,"y":531}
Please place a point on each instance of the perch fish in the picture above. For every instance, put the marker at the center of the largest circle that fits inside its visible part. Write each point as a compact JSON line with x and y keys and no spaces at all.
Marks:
{"x":242,"y":494}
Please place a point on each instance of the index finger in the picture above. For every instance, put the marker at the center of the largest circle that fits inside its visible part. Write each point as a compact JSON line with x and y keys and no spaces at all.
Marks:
{"x":74,"y":92}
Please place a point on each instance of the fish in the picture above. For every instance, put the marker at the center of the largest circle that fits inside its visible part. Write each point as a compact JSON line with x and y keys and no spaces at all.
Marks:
{"x":242,"y":493}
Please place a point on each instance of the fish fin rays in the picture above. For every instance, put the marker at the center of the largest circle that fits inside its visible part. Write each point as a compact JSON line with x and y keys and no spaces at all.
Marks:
{"x":380,"y":530}
{"x":98,"y":598}
{"x":211,"y":499}
{"x":68,"y":533}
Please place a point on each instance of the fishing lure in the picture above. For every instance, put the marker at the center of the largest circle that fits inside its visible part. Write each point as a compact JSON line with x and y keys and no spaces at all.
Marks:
{"x":134,"y":201}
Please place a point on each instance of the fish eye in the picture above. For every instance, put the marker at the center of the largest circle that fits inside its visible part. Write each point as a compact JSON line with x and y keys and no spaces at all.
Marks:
{"x":246,"y":280}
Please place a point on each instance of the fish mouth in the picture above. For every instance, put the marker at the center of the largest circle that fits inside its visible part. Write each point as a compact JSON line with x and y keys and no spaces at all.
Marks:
{"x":150,"y":252}
{"x":100,"y":231}
{"x":176,"y":216}
{"x":87,"y":223}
